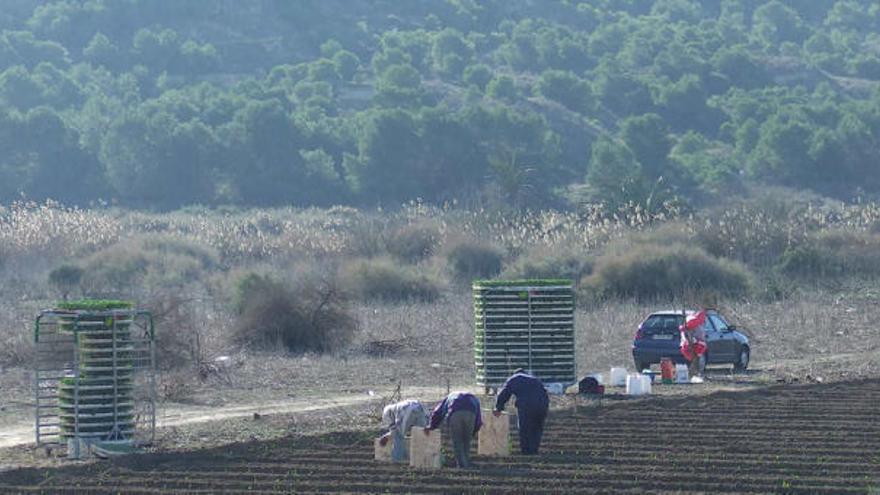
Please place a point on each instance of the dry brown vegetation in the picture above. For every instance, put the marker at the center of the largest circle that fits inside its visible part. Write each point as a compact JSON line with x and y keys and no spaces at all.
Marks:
{"x":396,"y":283}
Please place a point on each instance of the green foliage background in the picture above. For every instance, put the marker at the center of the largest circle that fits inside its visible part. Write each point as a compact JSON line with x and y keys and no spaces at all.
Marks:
{"x":161,"y":103}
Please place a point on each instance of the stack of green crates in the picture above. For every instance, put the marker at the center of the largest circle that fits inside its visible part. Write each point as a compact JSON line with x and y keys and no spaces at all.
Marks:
{"x":96,"y":402}
{"x":524,"y":324}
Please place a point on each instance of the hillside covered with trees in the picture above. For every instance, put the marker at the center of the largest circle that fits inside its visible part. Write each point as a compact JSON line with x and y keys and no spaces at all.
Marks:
{"x":162,"y":104}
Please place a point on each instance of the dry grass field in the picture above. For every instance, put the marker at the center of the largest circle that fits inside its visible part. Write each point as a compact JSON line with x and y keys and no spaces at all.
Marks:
{"x":809,"y":308}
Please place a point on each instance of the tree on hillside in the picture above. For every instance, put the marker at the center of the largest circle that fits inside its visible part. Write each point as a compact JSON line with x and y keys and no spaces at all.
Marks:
{"x":567,"y":89}
{"x":451,"y":53}
{"x":647,"y":136}
{"x":386,"y":167}
{"x":502,"y":87}
{"x":614,"y":175}
{"x":346,"y":64}
{"x":478,"y":75}
{"x":19,"y":89}
{"x":782,"y":151}
{"x":400,"y":86}
{"x":102,"y":51}
{"x":774,"y":22}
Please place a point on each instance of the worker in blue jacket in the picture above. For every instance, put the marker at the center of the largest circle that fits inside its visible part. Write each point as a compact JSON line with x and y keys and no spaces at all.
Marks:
{"x":532,"y":403}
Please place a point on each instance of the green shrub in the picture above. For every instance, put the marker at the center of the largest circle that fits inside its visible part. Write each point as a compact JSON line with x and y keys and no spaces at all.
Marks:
{"x":833,"y":254}
{"x":413,"y":243}
{"x":383,"y":280}
{"x":538,"y":265}
{"x":146,"y":261}
{"x":368,"y":235}
{"x":469,"y":261}
{"x":664,"y":234}
{"x":661,"y":272}
{"x":176,"y":246}
{"x":807,"y":261}
{"x":756,"y":233}
{"x":312,"y":316}
{"x":251,"y":285}
{"x":66,"y":278}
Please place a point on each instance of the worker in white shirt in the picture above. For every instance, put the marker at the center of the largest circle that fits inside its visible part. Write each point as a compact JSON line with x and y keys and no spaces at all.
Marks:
{"x":400,"y":417}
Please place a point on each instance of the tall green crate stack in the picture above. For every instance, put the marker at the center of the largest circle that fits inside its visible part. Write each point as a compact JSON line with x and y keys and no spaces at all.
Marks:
{"x":524,"y":324}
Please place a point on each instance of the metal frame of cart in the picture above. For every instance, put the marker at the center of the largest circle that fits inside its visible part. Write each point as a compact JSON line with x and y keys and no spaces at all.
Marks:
{"x":123,"y":407}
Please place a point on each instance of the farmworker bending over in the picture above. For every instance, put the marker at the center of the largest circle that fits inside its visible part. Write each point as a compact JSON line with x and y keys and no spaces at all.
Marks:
{"x":693,"y":341}
{"x":531,"y":408}
{"x":462,"y":411}
{"x":400,"y":417}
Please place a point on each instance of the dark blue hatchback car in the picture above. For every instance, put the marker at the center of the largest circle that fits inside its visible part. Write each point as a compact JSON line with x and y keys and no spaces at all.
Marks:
{"x":659,"y":337}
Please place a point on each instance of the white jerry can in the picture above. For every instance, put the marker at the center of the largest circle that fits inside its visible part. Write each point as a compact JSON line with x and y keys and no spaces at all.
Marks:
{"x":618,"y":377}
{"x":681,"y":373}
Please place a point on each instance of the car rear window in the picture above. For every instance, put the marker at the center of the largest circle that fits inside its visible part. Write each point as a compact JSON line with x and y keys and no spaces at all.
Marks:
{"x":662,"y":322}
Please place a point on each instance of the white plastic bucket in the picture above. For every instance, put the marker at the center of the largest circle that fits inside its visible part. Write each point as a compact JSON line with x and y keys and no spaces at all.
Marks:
{"x":638,"y":384}
{"x":555,"y":388}
{"x":681,"y":373}
{"x":618,"y":377}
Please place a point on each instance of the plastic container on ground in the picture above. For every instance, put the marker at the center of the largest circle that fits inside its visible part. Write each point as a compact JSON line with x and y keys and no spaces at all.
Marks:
{"x":555,"y":388}
{"x":617,"y":378}
{"x":638,"y":384}
{"x":681,"y":373}
{"x":667,"y":370}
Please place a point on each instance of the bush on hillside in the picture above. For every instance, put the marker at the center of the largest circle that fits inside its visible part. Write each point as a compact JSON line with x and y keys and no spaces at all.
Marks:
{"x":469,"y":261}
{"x":540,"y":265}
{"x":146,"y":261}
{"x":250,"y":286}
{"x":806,"y":261}
{"x":384,"y":280}
{"x":180,"y":338}
{"x":661,"y":272}
{"x":833,"y":254}
{"x":312,"y":316}
{"x":368,"y":235}
{"x":66,"y":278}
{"x":413,"y":243}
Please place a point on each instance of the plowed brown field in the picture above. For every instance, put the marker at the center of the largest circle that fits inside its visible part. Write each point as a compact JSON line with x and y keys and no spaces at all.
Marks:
{"x":784,"y":439}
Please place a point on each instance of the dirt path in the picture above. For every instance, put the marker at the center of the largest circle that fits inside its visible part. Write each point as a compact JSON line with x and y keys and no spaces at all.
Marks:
{"x":22,"y":433}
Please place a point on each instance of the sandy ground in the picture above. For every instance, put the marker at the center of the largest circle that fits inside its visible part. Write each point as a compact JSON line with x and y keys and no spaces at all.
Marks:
{"x":179,"y":415}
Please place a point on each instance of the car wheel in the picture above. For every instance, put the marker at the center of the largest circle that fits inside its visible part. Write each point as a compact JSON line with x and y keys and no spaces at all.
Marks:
{"x":641,"y":366}
{"x":742,"y":363}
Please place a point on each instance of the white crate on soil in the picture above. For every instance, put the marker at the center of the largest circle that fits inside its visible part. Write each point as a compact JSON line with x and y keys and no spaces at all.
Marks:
{"x":494,"y":436}
{"x":638,"y":384}
{"x":381,"y":452}
{"x":424,"y":450}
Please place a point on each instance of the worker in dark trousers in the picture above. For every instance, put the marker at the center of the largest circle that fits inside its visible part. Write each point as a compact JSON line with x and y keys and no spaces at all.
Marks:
{"x":462,"y":411}
{"x":532,"y":403}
